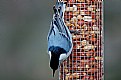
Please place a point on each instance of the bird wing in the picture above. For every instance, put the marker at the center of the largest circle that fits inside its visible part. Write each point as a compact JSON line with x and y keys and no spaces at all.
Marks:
{"x":58,"y":35}
{"x":63,"y":28}
{"x":60,"y":6}
{"x":66,"y":31}
{"x":58,"y":19}
{"x":58,"y":25}
{"x":59,"y":40}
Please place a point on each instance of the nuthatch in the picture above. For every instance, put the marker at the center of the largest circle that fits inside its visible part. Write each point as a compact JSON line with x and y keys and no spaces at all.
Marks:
{"x":59,"y":38}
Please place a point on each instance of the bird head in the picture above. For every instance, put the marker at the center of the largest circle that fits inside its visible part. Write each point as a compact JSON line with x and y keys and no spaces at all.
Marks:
{"x":54,"y":61}
{"x":56,"y":53}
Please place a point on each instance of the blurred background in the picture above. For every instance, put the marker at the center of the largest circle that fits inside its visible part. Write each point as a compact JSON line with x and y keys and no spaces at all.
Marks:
{"x":24,"y":25}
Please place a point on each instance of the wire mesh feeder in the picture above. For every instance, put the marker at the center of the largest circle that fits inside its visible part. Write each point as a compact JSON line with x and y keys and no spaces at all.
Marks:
{"x":86,"y":61}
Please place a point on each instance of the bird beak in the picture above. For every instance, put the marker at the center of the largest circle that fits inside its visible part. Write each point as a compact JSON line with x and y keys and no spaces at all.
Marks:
{"x":53,"y":72}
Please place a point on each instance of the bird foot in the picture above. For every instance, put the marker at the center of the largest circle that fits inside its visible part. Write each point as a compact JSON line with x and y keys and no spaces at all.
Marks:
{"x":74,"y":32}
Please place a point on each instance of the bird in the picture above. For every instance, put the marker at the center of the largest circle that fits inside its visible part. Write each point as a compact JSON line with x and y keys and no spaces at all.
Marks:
{"x":59,"y":38}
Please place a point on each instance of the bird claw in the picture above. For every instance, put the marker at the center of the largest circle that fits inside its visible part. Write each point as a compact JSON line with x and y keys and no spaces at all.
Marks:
{"x":74,"y":32}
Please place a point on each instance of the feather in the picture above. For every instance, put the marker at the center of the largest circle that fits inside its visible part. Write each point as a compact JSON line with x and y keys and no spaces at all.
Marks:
{"x":59,"y":34}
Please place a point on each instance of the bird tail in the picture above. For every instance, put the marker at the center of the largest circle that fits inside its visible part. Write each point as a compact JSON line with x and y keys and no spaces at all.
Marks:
{"x":60,"y":8}
{"x":58,"y":18}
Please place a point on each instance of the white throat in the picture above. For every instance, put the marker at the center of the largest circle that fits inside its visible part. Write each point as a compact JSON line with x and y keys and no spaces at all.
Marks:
{"x":50,"y":54}
{"x":63,"y":57}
